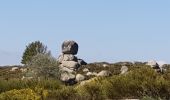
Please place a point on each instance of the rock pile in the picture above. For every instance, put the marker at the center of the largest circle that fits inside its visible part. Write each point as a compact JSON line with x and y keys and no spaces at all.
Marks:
{"x":69,"y":63}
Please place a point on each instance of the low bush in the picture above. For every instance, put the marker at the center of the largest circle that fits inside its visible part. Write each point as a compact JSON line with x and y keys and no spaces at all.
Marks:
{"x":50,"y":84}
{"x":90,"y":91}
{"x":136,"y":84}
{"x":140,"y":82}
{"x":23,"y":94}
{"x":65,"y":93}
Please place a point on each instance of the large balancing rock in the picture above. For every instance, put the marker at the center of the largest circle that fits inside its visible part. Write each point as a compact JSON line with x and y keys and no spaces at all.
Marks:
{"x":69,"y":47}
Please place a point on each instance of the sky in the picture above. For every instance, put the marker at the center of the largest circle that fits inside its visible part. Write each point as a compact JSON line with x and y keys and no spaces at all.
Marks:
{"x":106,"y":30}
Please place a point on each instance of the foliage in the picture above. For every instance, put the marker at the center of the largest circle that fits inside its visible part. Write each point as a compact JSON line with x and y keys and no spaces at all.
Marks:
{"x":65,"y":93}
{"x":50,"y":84}
{"x":43,"y":65}
{"x":141,"y":82}
{"x":136,"y":84}
{"x":33,"y":49}
{"x":23,"y":94}
{"x":91,"y":91}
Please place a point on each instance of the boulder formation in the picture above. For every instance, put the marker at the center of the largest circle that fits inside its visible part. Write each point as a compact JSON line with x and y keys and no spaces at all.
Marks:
{"x":69,"y":63}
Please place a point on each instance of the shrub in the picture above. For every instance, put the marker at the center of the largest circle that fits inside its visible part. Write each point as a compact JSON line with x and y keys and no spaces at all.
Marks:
{"x":43,"y":65}
{"x":91,"y":90}
{"x":65,"y":93}
{"x":137,"y":83}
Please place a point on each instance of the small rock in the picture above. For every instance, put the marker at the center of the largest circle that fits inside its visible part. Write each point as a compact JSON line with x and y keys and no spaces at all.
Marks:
{"x":23,"y":70}
{"x":105,"y":65}
{"x":67,"y":77}
{"x":14,"y":69}
{"x":26,"y":78}
{"x":104,"y":73}
{"x":85,"y":70}
{"x":89,"y":74}
{"x":124,"y":69}
{"x":80,"y":77}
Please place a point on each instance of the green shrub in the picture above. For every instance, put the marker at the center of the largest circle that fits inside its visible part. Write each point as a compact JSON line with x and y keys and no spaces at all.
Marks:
{"x":141,"y":82}
{"x":43,"y":65}
{"x":92,"y":89}
{"x":65,"y":93}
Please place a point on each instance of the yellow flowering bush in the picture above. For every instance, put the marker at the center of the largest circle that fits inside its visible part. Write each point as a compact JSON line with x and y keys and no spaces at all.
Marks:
{"x":23,"y":94}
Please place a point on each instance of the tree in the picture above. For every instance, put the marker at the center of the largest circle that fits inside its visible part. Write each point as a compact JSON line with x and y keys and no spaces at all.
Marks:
{"x":33,"y":49}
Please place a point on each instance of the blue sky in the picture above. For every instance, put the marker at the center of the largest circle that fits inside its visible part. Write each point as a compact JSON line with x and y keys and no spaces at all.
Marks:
{"x":106,"y":30}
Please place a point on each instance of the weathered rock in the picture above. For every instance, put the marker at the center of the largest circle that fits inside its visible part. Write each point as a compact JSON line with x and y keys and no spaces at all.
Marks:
{"x":14,"y":69}
{"x":67,"y":77}
{"x":80,"y":77}
{"x":153,"y":64}
{"x":66,"y":57}
{"x":124,"y":70}
{"x":85,"y":70}
{"x":65,"y":69}
{"x":70,"y":64}
{"x":104,"y":73}
{"x":70,"y":47}
{"x":161,"y":65}
{"x":82,"y":62}
{"x":89,"y":73}
{"x":26,"y":78}
{"x":105,"y":65}
{"x":23,"y":69}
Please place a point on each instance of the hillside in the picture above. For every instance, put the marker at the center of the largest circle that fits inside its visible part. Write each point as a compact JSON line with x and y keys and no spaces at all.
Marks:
{"x":140,"y":81}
